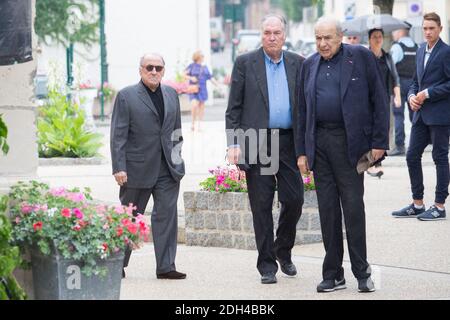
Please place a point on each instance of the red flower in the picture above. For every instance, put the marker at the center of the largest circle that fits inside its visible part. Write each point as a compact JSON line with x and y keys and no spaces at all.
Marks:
{"x":132,"y":228}
{"x":105,"y":247}
{"x":37,"y":226}
{"x":119,"y":231}
{"x":66,"y":212}
{"x":77,"y":228}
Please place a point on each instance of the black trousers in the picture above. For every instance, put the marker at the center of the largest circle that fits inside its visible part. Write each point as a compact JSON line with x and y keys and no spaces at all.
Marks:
{"x":164,"y":224}
{"x":420,"y":137}
{"x":340,"y":190}
{"x":261,"y":190}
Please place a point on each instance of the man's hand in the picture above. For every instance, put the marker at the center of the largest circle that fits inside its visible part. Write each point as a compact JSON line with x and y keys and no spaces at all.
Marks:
{"x":233,"y":155}
{"x":377,"y":153}
{"x":414,"y":103}
{"x":121,"y":177}
{"x":397,"y":101}
{"x":421,"y":97}
{"x":302,"y":163}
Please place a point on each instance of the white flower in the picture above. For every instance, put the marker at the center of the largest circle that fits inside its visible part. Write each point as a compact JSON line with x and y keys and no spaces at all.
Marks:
{"x":51,"y":212}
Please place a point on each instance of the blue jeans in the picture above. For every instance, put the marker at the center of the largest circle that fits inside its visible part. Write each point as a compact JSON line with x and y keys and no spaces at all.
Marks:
{"x":420,"y":137}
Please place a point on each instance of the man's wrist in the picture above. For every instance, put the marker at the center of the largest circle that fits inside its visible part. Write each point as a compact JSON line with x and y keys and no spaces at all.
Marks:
{"x":427,"y":95}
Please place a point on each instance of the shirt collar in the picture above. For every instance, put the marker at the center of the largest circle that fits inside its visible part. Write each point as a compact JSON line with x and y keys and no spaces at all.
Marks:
{"x":269,"y":59}
{"x":427,"y":50}
{"x":334,"y":59}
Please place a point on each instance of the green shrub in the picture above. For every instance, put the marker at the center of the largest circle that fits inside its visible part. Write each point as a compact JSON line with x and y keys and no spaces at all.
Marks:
{"x":3,"y":135}
{"x":9,"y":259}
{"x":61,"y":131}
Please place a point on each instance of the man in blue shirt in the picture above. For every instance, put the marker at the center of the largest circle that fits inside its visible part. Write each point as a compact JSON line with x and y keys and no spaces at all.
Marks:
{"x":262,"y":103}
{"x":403,"y":52}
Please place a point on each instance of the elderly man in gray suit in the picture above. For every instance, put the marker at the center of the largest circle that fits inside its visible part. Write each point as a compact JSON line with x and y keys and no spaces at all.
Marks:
{"x":146,"y":157}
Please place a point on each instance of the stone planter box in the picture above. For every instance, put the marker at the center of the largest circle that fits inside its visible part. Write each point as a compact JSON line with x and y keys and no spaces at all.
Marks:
{"x":57,"y":278}
{"x":225,"y":220}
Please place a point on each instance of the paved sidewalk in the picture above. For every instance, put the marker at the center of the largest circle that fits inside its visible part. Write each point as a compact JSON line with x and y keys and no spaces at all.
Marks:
{"x":410,"y":258}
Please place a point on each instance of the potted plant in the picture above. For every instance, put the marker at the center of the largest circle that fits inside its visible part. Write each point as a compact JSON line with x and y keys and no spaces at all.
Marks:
{"x":219,"y":215}
{"x":109,"y":95}
{"x":76,"y":246}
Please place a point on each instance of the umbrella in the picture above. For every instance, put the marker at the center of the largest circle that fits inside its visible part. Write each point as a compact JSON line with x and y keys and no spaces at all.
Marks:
{"x":362,"y":25}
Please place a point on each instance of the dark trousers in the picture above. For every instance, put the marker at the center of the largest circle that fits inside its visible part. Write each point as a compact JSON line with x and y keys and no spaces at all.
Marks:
{"x":340,"y":189}
{"x":420,"y":137}
{"x":164,"y":223}
{"x":261,"y":190}
{"x":399,"y":113}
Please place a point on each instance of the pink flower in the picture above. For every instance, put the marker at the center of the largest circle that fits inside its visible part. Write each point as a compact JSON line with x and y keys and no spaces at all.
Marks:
{"x":119,"y":209}
{"x":226,"y":186}
{"x":26,"y":208}
{"x":220,"y":179}
{"x":78,"y":213}
{"x":105,"y":226}
{"x":130,"y":209}
{"x":66,"y":212}
{"x":125,"y":221}
{"x":75,"y":196}
{"x":57,"y":192}
{"x":77,"y":228}
{"x":17,"y":220}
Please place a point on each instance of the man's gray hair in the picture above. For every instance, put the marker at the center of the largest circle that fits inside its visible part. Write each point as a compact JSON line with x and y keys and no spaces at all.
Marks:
{"x":151,"y":54}
{"x":329,"y":20}
{"x":274,"y":15}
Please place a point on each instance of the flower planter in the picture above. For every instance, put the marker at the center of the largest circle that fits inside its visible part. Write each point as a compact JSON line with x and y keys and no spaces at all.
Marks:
{"x":107,"y":107}
{"x":56,"y":278}
{"x":225,"y":220}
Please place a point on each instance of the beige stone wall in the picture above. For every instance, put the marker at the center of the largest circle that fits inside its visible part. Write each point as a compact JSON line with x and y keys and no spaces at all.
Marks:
{"x":19,"y":114}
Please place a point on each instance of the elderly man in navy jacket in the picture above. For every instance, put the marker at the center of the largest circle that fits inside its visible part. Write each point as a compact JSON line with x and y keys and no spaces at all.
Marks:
{"x":343,"y":115}
{"x":429,"y":97}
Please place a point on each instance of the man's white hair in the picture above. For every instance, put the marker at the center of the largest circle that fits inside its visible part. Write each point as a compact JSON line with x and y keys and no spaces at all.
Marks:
{"x":329,"y":20}
{"x":151,"y":54}
{"x":274,"y":15}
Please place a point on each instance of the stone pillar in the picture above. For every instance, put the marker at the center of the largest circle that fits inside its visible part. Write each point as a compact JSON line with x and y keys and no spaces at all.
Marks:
{"x":19,"y":114}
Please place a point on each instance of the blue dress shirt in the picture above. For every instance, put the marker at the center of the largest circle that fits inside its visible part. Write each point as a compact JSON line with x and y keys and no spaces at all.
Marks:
{"x":280,"y":115}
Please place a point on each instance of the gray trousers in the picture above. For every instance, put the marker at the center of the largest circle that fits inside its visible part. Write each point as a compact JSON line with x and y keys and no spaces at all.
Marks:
{"x":163,"y":219}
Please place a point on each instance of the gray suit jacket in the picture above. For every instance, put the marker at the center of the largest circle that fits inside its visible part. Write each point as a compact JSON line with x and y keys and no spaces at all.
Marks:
{"x":138,"y":139}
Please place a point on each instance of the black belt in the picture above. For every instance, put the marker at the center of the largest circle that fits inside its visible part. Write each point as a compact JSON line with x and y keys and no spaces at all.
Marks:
{"x":331,"y":125}
{"x":281,"y":131}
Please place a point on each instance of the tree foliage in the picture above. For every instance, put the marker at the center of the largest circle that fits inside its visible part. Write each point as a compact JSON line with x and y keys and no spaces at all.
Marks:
{"x":65,"y":21}
{"x":294,"y":8}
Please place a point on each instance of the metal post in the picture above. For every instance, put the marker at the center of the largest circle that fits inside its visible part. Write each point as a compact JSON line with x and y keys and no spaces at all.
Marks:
{"x":69,"y":62}
{"x":103,"y":62}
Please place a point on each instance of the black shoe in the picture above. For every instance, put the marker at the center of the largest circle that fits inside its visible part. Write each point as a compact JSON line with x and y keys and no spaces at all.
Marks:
{"x":287,"y":268}
{"x":172,"y":275}
{"x":397,"y":151}
{"x":366,"y":285}
{"x":268,"y":278}
{"x":331,"y":285}
{"x":123,"y":273}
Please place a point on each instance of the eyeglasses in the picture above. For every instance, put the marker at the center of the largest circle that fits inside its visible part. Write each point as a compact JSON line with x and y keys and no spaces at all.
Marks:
{"x":150,"y":68}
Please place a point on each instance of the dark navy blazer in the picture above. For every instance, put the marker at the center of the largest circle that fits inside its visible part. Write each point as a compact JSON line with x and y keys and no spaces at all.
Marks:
{"x":435,"y":77}
{"x":365,"y":106}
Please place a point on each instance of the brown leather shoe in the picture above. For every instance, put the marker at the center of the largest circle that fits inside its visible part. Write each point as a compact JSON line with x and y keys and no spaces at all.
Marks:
{"x":173,"y":275}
